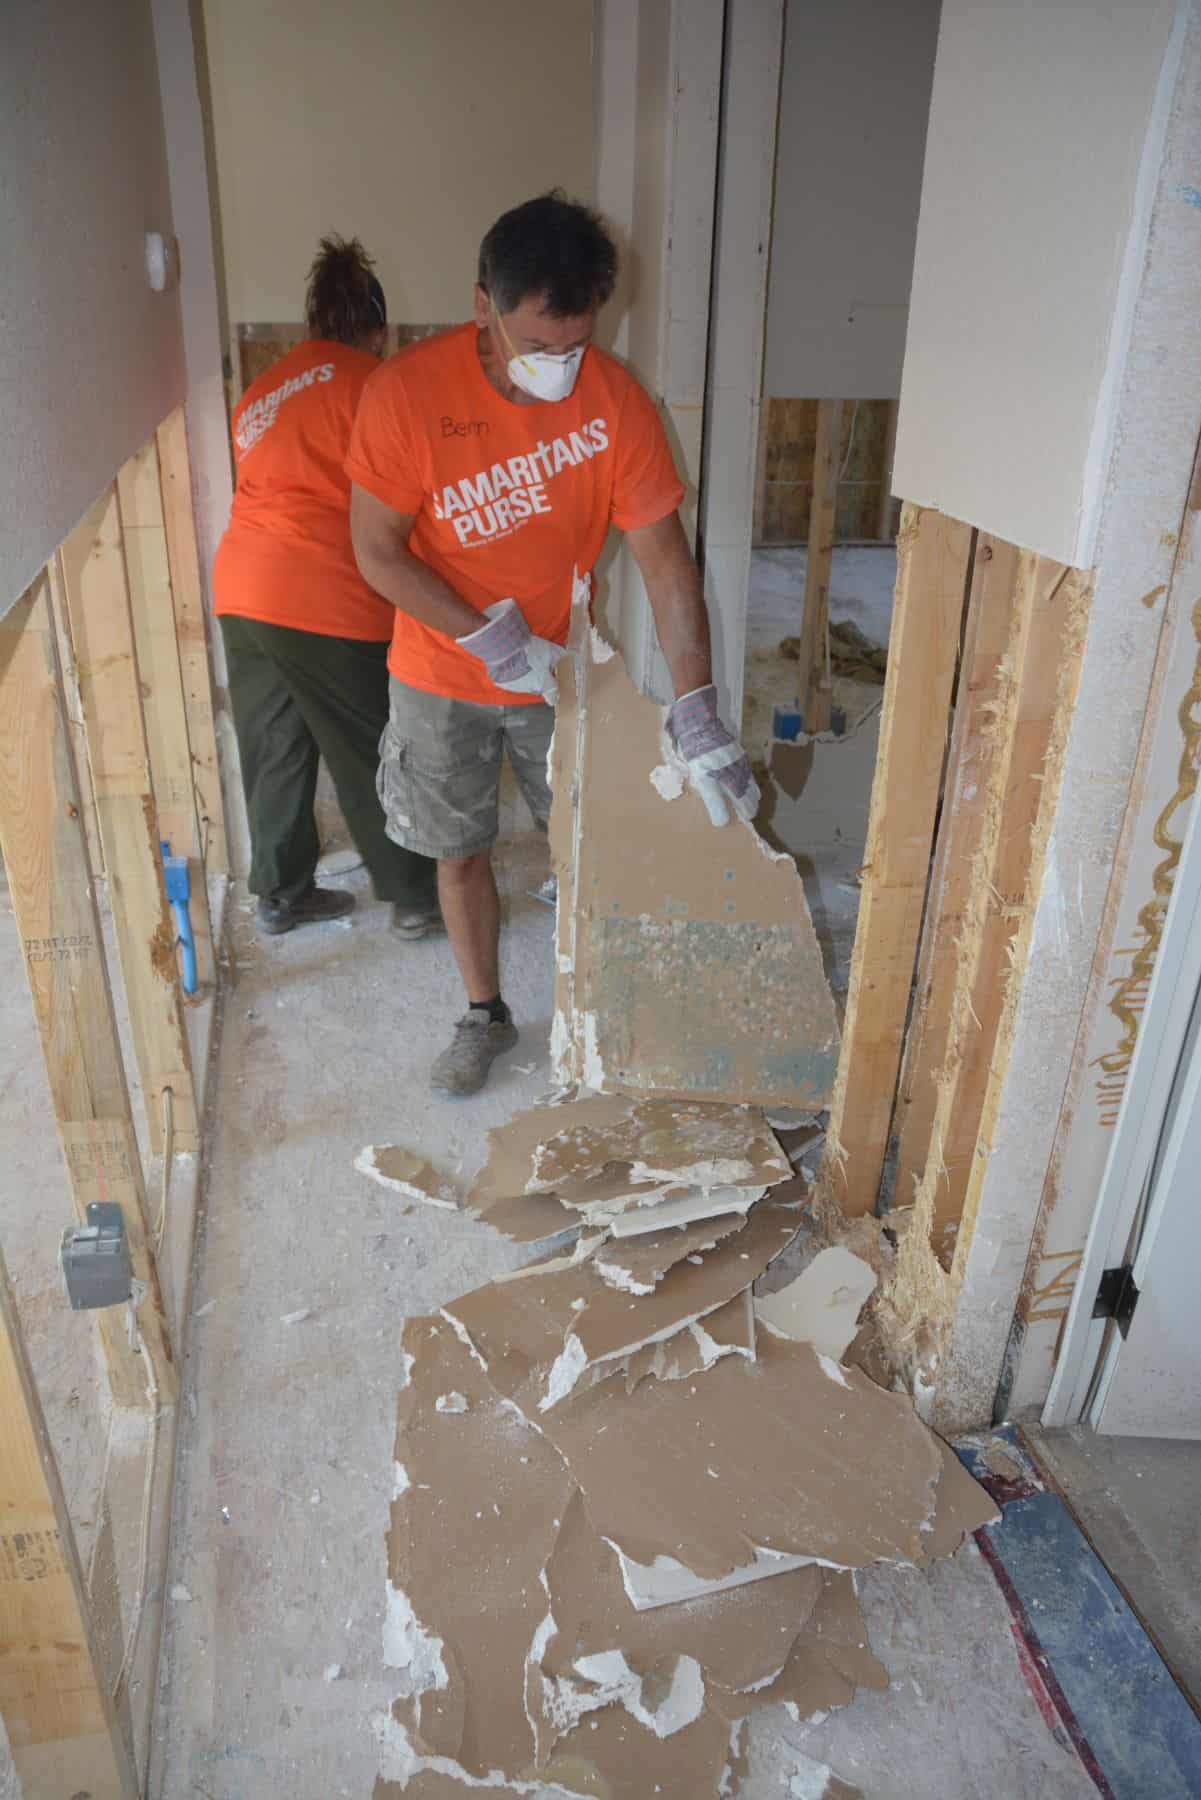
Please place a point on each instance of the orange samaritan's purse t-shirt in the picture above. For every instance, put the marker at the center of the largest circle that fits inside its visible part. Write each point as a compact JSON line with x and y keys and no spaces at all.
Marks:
{"x":286,"y":556}
{"x":507,"y":499}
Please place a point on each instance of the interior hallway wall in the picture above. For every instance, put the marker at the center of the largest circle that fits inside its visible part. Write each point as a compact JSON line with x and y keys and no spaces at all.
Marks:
{"x":90,"y":358}
{"x":1041,"y":161}
{"x":411,"y":125}
{"x":854,"y":102}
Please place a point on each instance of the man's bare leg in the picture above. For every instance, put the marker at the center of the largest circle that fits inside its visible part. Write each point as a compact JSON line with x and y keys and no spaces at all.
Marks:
{"x":471,"y":909}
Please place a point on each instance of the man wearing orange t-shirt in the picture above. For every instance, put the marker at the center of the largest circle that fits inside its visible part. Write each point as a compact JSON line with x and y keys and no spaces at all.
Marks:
{"x":487,"y":464}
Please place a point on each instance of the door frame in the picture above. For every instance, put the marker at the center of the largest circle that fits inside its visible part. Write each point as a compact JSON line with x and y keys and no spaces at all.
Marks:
{"x":1087,"y":1352}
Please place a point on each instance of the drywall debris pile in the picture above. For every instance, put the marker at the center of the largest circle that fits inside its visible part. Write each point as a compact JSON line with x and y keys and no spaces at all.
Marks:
{"x":629,"y":1497}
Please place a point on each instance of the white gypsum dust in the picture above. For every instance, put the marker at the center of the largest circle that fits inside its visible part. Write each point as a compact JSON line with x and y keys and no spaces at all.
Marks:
{"x":400,"y":1762}
{"x":707,"y":1172}
{"x":464,"y":1337}
{"x":400,"y":1480}
{"x":565,"y":1371}
{"x":667,"y":781}
{"x":593,"y":1070}
{"x":614,"y":1276}
{"x":616,"y":1681}
{"x":451,"y":1403}
{"x":407,"y":1644}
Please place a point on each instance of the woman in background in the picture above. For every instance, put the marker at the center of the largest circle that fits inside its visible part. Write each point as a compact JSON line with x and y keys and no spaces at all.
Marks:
{"x":306,"y":639}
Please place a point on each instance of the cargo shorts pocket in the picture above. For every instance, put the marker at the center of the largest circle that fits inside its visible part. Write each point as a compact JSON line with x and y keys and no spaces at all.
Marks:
{"x":394,"y":782}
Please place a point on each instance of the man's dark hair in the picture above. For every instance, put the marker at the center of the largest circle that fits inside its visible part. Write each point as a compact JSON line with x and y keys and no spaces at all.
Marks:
{"x":552,"y":247}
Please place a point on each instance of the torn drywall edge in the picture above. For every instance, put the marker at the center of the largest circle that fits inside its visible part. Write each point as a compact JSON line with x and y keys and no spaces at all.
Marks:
{"x":666,"y":1582}
{"x":791,"y":1053}
{"x":407,"y":1173}
{"x":400,"y":1762}
{"x":638,"y":1265}
{"x":617,"y":1683}
{"x":408,"y":1645}
{"x":685,"y":1211}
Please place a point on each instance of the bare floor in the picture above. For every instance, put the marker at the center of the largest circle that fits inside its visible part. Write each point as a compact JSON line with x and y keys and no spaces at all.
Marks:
{"x":1139,"y":1500}
{"x":272,"y":1669}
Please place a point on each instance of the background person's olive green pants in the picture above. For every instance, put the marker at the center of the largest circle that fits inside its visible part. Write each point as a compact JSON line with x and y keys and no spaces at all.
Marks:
{"x":298,"y":696}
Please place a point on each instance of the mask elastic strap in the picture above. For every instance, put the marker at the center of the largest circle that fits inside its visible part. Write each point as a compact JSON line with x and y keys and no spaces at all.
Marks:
{"x":514,"y":352}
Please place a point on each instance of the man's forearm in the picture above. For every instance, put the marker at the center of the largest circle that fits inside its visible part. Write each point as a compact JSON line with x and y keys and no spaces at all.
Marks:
{"x":414,"y":588}
{"x":388,"y":565}
{"x":676,"y":595}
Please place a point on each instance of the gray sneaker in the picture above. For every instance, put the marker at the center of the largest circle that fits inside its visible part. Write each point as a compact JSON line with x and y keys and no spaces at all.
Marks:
{"x":407,"y":922}
{"x":478,"y":1041}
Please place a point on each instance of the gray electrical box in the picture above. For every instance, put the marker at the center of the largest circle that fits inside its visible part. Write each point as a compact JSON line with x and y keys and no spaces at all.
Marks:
{"x":95,"y":1259}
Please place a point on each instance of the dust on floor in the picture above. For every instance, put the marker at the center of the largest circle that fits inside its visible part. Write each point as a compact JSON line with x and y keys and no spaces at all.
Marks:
{"x":273,"y":1668}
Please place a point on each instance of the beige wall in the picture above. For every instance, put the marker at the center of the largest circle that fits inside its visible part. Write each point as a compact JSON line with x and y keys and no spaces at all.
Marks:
{"x":854,"y":101}
{"x":90,"y":359}
{"x":1046,"y":126}
{"x":412,"y":124}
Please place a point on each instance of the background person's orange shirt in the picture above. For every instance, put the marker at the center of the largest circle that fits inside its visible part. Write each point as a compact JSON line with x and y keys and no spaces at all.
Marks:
{"x":286,"y":556}
{"x":507,"y":498}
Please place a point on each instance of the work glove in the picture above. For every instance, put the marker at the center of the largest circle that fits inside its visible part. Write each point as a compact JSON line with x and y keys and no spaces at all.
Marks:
{"x":717,"y":763}
{"x":514,"y":658}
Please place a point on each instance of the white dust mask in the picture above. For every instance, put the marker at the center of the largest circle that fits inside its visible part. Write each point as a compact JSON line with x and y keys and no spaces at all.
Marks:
{"x":544,"y":376}
{"x":540,"y":374}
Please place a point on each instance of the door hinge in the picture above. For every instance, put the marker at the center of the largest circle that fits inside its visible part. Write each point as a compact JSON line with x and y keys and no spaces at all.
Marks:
{"x":1117,"y":1297}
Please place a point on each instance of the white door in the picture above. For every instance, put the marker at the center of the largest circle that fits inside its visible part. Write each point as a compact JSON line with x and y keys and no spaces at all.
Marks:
{"x":1150,"y":1381}
{"x":1148,"y":1212}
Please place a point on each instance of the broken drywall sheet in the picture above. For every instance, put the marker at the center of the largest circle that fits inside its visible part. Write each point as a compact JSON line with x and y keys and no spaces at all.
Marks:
{"x":666,"y":1141}
{"x":409,"y":1174}
{"x":961,"y":1506}
{"x":536,"y":1334}
{"x":741,"y":1642}
{"x":730,"y":1331}
{"x":637,"y":1265}
{"x":463,"y":1641}
{"x":822,"y":1306}
{"x":829,"y":1660}
{"x":687,"y":962}
{"x":751,"y":1462}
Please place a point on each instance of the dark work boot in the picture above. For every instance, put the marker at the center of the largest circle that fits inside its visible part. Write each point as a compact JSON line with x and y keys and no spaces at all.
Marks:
{"x":314,"y":907}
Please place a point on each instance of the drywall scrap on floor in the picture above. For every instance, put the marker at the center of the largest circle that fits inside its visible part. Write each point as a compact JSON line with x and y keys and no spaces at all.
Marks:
{"x":627,"y":1512}
{"x":687,"y":959}
{"x":409,"y":1174}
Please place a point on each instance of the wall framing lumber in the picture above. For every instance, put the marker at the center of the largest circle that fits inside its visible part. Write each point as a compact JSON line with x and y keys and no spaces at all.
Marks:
{"x":140,"y":500}
{"x":990,"y":847}
{"x":192,"y":638}
{"x":814,"y":680}
{"x":42,"y":837}
{"x":73,"y":713}
{"x":97,"y":593}
{"x":974,"y":746}
{"x":934,"y":556}
{"x":59,"y":1717}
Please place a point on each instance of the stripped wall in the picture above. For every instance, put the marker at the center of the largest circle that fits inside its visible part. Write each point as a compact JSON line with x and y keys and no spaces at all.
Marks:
{"x":1146,"y":490}
{"x":90,"y":359}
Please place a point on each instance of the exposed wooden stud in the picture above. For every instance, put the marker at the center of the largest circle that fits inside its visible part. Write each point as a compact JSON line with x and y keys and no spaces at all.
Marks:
{"x":814,"y":679}
{"x":151,"y":604}
{"x":73,"y":712}
{"x":98,"y":602}
{"x":41,"y":833}
{"x":974,"y":744}
{"x":1042,"y":647}
{"x":62,"y":1729}
{"x":933,"y":569}
{"x":192,"y":636}
{"x":884,"y":515}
